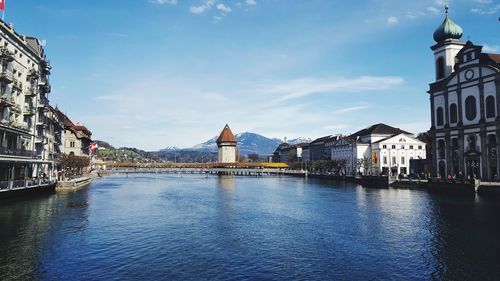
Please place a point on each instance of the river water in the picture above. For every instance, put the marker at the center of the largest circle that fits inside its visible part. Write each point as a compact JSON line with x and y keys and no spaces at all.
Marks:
{"x":172,"y":227}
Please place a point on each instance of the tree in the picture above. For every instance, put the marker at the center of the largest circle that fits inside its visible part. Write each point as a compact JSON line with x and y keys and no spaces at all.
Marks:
{"x":73,"y":165}
{"x":254,"y":157}
{"x":365,"y":163}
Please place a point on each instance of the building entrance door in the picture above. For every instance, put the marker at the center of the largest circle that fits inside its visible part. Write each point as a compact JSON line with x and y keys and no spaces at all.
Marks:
{"x":472,"y":165}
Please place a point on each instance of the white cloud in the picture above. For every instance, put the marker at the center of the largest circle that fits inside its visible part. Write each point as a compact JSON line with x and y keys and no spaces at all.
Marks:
{"x":351,"y":109}
{"x":392,"y":20}
{"x":491,"y":48}
{"x":433,"y":10}
{"x":483,"y":1}
{"x":299,"y":88}
{"x":190,"y":113}
{"x":163,"y":2}
{"x":487,"y":11}
{"x":207,"y":5}
{"x":414,"y":15}
{"x":223,"y":8}
{"x":250,"y":2}
{"x":198,"y":9}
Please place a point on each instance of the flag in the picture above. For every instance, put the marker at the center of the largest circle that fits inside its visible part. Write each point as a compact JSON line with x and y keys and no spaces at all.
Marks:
{"x":93,"y":146}
{"x":374,"y":158}
{"x":2,"y":5}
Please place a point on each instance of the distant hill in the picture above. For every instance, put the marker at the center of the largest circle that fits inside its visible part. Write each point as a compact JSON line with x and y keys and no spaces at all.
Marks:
{"x":103,"y":144}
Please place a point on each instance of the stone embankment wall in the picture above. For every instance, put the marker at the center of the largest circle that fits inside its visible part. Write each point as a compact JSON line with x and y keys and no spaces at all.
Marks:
{"x":76,"y":184}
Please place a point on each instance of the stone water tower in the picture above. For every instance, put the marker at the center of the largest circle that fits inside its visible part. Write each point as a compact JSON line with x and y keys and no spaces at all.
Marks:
{"x":227,"y":146}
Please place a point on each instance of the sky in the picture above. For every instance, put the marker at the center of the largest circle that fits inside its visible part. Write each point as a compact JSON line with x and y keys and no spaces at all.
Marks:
{"x":157,"y":73}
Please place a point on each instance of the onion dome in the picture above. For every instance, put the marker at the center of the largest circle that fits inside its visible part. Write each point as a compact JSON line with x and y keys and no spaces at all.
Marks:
{"x":448,"y":30}
{"x":226,"y":136}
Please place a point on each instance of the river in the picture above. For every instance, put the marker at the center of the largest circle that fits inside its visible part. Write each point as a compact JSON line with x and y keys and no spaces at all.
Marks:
{"x":194,"y":227}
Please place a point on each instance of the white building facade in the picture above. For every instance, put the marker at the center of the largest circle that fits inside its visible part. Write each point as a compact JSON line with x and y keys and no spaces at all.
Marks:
{"x":379,"y":149}
{"x":25,"y":128}
{"x":465,"y":109}
{"x":392,"y":155}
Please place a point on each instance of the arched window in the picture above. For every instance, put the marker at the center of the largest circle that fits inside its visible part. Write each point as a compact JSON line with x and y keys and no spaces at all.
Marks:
{"x":440,"y":68}
{"x":470,"y":108}
{"x":441,"y":149}
{"x":439,"y":117}
{"x":492,"y":140}
{"x":453,"y":113}
{"x":490,"y":107}
{"x":471,"y":139}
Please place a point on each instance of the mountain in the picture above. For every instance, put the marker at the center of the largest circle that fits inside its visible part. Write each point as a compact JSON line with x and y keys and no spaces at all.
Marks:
{"x":209,"y":145}
{"x":254,"y":143}
{"x":299,"y":140}
{"x":248,"y":143}
{"x":170,"y":148}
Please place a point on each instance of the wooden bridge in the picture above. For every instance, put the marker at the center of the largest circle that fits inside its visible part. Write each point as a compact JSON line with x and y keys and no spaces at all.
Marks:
{"x":256,"y":169}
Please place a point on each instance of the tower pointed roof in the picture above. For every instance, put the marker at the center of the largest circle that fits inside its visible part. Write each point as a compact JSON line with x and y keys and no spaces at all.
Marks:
{"x":226,"y":136}
{"x":447,"y":30}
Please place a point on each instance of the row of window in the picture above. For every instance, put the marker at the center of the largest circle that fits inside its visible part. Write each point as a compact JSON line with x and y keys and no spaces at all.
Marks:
{"x":402,"y":146}
{"x":384,"y":160}
{"x":470,"y":110}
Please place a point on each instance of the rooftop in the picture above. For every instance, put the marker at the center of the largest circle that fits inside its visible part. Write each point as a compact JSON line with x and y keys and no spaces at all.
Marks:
{"x":226,"y":136}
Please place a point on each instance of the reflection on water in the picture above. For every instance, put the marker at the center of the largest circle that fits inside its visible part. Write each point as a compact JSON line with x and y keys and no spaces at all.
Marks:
{"x":230,"y":228}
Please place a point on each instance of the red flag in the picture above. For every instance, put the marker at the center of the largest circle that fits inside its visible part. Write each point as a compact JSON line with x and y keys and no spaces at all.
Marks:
{"x":2,"y":5}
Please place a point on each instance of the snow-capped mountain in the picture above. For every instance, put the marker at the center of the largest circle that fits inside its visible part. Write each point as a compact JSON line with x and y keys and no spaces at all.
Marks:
{"x":247,"y":142}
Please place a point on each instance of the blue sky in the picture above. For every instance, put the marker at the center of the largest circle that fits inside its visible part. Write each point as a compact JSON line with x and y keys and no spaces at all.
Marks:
{"x":157,"y":73}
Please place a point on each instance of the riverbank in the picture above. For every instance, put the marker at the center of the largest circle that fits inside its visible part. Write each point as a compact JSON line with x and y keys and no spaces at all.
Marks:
{"x":76,"y":184}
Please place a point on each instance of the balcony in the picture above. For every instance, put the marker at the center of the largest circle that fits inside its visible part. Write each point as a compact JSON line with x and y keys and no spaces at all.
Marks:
{"x":6,"y":76}
{"x":25,"y":184}
{"x":41,"y":122}
{"x":40,"y":140}
{"x":19,"y":125}
{"x":46,"y":67}
{"x":14,"y":124}
{"x":28,"y":109}
{"x":17,"y":85}
{"x":30,"y":92}
{"x":17,"y":152}
{"x":6,"y":54}
{"x":44,"y":85}
{"x":42,"y":103}
{"x":33,"y":74}
{"x":6,"y":100}
{"x":16,"y":108}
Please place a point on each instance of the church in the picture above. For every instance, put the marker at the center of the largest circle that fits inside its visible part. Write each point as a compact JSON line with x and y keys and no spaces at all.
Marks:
{"x":465,"y":106}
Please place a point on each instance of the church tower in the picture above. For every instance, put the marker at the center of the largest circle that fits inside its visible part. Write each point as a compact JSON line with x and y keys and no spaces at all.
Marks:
{"x":227,"y":146}
{"x":447,"y":37}
{"x":465,"y":108}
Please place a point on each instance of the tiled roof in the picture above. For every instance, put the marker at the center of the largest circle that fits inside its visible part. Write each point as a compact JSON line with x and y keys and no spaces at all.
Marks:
{"x":226,"y":136}
{"x":493,"y":57}
{"x":83,"y":129}
{"x":319,"y":140}
{"x":379,"y":129}
{"x":67,"y":122}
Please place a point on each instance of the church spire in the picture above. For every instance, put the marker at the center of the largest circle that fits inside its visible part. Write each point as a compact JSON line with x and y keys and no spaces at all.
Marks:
{"x":448,"y":29}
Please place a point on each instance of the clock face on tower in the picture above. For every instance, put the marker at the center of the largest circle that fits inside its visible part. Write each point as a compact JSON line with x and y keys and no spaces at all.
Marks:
{"x":469,"y":74}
